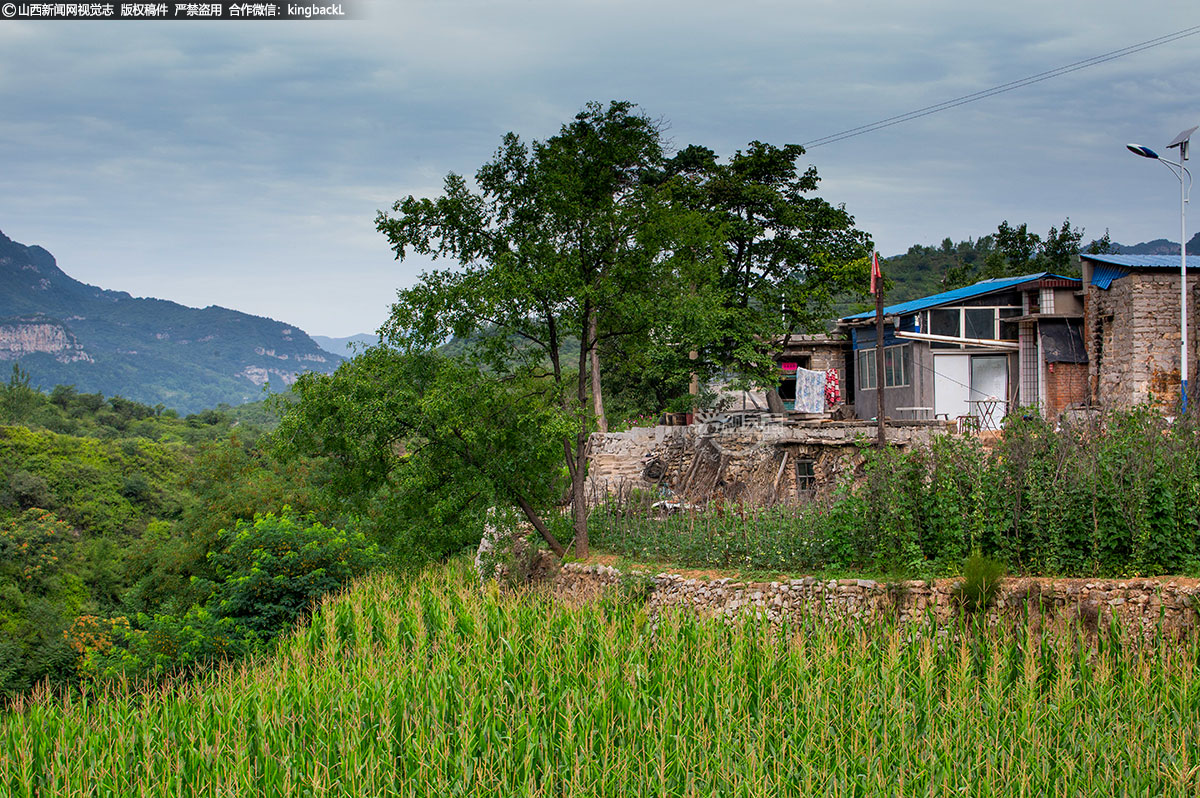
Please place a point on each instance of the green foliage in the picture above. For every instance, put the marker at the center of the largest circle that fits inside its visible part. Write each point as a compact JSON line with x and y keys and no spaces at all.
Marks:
{"x":772,"y":261}
{"x":1018,"y":251}
{"x":421,"y":446}
{"x":980,"y":583}
{"x":39,"y":597}
{"x":267,"y":575}
{"x":426,"y":685}
{"x":595,"y":236}
{"x":271,"y":571}
{"x":141,"y":496}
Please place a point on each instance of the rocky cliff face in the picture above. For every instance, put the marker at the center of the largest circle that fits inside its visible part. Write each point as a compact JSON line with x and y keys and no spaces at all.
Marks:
{"x":22,"y":337}
{"x":62,"y":331}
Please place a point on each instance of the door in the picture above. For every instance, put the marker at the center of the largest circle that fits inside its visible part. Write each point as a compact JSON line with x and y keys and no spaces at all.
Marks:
{"x":951,"y":385}
{"x":989,"y":389}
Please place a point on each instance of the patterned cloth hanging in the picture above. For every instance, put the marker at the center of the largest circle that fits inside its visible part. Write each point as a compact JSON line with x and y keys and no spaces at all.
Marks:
{"x":833,"y":389}
{"x":810,"y":391}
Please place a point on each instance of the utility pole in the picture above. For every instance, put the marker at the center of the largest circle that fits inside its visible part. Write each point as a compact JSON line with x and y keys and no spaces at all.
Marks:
{"x":877,"y":290}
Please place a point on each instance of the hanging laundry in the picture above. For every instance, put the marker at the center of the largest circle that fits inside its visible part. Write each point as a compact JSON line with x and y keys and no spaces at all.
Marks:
{"x":810,"y":391}
{"x":833,"y":389}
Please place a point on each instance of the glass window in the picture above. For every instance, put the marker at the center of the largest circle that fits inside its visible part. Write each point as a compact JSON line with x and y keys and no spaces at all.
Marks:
{"x":1009,"y":329}
{"x":866,"y":369}
{"x":895,"y":366}
{"x":806,"y":477}
{"x":980,"y":322}
{"x":944,"y":321}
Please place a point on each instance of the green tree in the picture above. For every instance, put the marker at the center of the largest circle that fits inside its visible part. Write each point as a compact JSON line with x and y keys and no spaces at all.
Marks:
{"x":428,"y":443}
{"x":1015,"y":251}
{"x":18,"y":399}
{"x":784,"y":255}
{"x":559,"y":243}
{"x":39,"y":596}
{"x":271,"y":571}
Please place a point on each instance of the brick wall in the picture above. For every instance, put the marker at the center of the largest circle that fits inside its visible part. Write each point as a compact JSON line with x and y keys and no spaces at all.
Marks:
{"x":1066,"y":385}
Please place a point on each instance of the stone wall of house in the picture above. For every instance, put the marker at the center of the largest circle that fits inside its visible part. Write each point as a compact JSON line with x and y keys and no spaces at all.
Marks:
{"x":1136,"y":604}
{"x":755,"y":464}
{"x":1133,"y":338}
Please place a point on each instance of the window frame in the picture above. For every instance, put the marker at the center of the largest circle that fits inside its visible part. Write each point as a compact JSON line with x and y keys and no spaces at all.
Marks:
{"x":866,"y":374}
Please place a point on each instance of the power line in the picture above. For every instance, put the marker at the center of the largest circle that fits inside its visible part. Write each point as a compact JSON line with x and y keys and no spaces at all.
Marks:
{"x":1002,"y":88}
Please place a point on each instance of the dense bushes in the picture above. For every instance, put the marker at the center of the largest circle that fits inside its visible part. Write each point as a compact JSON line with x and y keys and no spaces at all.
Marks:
{"x":269,"y":573}
{"x":1114,"y":496}
{"x":123,"y":504}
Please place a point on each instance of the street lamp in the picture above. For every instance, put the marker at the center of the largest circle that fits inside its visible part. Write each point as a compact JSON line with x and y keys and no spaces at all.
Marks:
{"x":1179,"y":170}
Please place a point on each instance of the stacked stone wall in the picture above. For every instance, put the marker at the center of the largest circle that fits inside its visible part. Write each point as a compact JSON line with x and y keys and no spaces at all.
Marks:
{"x":757,"y":465}
{"x":1144,"y":606}
{"x":1133,"y":338}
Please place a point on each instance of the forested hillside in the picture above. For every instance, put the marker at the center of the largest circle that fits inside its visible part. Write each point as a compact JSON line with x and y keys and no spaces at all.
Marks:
{"x":132,"y":538}
{"x":63,"y":332}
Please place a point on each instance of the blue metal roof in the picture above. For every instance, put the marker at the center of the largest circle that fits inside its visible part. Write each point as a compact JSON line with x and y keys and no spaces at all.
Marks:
{"x":946,"y":297}
{"x":1137,"y":261}
{"x":1103,"y":274}
{"x":1113,"y":267}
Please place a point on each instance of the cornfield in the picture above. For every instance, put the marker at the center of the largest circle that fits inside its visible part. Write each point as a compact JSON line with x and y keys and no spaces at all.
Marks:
{"x":429,"y":686}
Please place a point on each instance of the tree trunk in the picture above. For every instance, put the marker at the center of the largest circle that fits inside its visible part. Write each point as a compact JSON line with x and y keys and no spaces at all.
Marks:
{"x":694,"y":384}
{"x":546,"y":534}
{"x":597,"y":395}
{"x":579,"y":472}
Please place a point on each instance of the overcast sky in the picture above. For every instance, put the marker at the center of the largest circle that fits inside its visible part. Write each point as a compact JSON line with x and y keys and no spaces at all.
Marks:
{"x":242,"y":163}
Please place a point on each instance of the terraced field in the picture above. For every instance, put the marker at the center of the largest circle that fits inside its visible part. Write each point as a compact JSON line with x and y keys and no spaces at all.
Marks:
{"x":429,"y":686}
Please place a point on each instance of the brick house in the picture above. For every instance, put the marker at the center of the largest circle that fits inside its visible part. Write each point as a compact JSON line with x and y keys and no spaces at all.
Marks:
{"x":1132,"y":304}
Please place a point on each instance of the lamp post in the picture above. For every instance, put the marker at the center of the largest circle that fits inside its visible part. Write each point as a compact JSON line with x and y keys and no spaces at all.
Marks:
{"x":1179,"y":170}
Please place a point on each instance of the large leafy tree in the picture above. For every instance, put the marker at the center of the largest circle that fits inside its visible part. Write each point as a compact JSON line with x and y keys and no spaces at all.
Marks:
{"x":562,"y":242}
{"x":595,"y":238}
{"x":1015,"y":251}
{"x":784,"y":255}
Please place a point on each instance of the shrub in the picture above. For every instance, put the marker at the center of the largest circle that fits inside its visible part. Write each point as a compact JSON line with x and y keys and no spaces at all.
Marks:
{"x":272,"y":570}
{"x":980,"y":582}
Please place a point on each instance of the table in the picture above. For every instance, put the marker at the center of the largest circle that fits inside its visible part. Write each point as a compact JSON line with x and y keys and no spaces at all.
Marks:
{"x":985,"y":411}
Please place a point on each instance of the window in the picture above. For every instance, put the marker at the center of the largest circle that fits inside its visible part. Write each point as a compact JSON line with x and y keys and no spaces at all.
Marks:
{"x":972,"y":322}
{"x":980,"y":322}
{"x":866,"y":369}
{"x":806,"y":478}
{"x":895,"y":372}
{"x":897,"y":362}
{"x":1008,"y":329}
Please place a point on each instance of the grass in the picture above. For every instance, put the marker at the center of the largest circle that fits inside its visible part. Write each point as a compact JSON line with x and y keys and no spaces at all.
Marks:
{"x":430,"y":686}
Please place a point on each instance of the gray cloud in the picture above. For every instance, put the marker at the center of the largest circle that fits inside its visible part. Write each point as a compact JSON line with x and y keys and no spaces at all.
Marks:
{"x":242,"y":163}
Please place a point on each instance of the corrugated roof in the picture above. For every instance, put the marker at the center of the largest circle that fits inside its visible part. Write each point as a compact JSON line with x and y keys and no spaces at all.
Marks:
{"x":1113,"y":267}
{"x":1103,"y":274}
{"x":1137,"y":261}
{"x":946,"y":297}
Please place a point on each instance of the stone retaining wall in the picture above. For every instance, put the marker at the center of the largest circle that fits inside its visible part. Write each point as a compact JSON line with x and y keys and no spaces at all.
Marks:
{"x":1141,"y":604}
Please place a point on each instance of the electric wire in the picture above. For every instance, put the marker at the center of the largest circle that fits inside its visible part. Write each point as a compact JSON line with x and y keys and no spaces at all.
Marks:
{"x":1002,"y":88}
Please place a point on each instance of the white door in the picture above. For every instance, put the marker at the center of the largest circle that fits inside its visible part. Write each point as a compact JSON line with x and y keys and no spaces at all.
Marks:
{"x":951,"y":385}
{"x":989,"y":387}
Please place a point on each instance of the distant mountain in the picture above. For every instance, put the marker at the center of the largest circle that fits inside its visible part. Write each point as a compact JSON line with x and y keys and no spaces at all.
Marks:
{"x":341,"y":346}
{"x":1159,"y":246}
{"x":62,"y":331}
